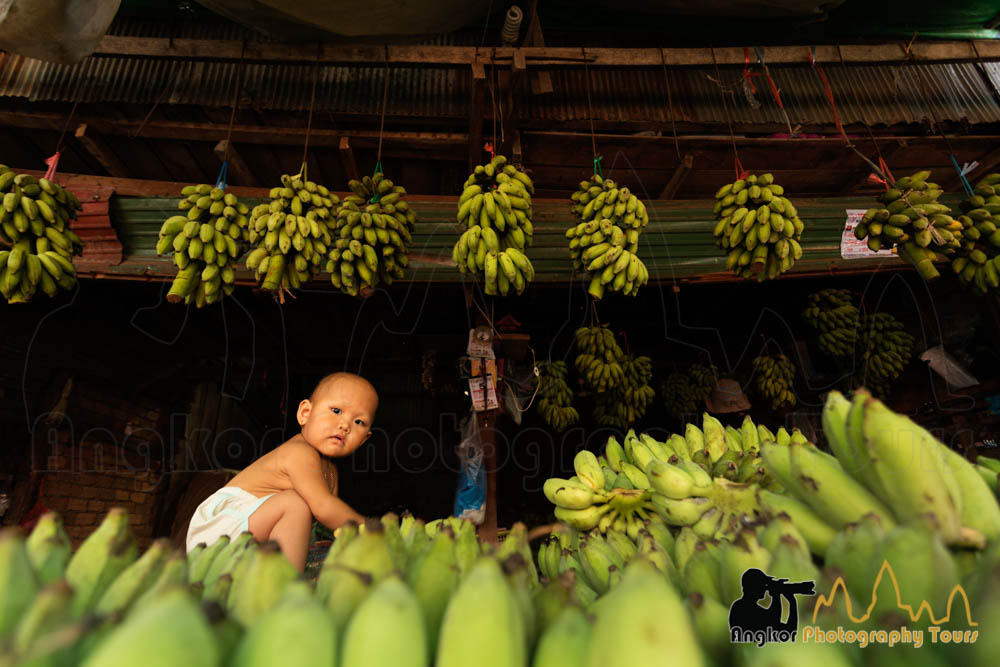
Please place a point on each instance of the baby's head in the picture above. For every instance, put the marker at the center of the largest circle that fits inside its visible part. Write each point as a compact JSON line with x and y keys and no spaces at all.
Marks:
{"x":337,"y":418}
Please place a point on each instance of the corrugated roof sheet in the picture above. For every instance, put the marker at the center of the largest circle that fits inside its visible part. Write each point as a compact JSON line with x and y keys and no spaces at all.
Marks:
{"x":875,"y":95}
{"x":676,"y":245}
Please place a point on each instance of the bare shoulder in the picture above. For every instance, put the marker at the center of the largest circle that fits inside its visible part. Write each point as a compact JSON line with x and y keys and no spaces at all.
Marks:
{"x":297,"y":452}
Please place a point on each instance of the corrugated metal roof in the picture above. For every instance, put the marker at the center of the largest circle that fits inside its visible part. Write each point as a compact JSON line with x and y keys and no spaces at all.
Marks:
{"x":355,"y":90}
{"x":677,"y":244}
{"x":885,"y":95}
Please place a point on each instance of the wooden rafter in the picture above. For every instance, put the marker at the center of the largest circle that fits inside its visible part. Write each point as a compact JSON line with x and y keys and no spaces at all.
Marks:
{"x":347,"y":159}
{"x":100,"y":151}
{"x":461,"y":56}
{"x":677,"y":178}
{"x":248,"y":134}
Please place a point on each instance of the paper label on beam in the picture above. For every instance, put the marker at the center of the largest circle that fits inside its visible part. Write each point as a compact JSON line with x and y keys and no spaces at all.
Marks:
{"x":852,"y":248}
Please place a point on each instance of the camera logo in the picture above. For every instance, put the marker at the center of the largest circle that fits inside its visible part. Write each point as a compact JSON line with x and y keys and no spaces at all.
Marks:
{"x":751,"y":623}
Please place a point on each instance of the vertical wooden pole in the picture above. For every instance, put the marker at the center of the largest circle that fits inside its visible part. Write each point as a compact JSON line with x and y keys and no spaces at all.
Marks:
{"x":487,"y":422}
{"x":487,"y":435}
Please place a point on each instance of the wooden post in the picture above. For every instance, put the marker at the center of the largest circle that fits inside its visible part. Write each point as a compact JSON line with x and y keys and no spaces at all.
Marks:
{"x":476,"y":114}
{"x":487,"y":435}
{"x":347,"y":159}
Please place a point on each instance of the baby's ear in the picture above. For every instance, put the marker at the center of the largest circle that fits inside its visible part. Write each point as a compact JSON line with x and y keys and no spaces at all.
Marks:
{"x":302,"y":414}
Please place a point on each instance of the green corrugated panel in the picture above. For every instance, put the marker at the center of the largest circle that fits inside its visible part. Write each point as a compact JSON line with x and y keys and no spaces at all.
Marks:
{"x":677,"y":244}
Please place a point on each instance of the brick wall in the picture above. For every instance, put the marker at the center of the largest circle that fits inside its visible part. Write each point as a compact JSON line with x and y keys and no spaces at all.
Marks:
{"x":108,"y":452}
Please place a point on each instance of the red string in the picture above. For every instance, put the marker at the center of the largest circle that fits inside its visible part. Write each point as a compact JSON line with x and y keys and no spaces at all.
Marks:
{"x":829,"y":96}
{"x":885,"y":170}
{"x":741,"y":173}
{"x":748,"y":76}
{"x":53,"y":162}
{"x":488,"y":147}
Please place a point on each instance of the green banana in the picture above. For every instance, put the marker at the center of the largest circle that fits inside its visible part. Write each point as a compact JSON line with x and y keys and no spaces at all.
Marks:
{"x":483,"y":623}
{"x":170,"y":630}
{"x":135,"y":580}
{"x":104,"y":555}
{"x":49,"y":548}
{"x":391,"y":604}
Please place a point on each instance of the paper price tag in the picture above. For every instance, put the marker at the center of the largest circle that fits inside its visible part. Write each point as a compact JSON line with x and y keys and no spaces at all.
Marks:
{"x":852,"y":248}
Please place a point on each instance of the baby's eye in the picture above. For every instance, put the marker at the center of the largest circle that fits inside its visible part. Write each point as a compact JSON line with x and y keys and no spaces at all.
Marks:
{"x":335,"y":411}
{"x":359,"y":422}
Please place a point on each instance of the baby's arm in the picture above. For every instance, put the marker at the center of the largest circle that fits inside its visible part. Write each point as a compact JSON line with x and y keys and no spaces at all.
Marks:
{"x":306,"y":473}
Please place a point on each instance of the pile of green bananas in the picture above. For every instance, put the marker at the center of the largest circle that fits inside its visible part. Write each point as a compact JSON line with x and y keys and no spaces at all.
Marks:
{"x":700,"y":479}
{"x":375,"y":225}
{"x":978,"y":260}
{"x":554,"y":395}
{"x":884,"y":348}
{"x":205,"y":243}
{"x":605,"y":241}
{"x":758,"y":227}
{"x":495,"y":210}
{"x":34,"y":224}
{"x":832,"y":312}
{"x":773,"y":379}
{"x":912,"y":221}
{"x":600,"y":358}
{"x":290,"y":236}
{"x":625,"y":403}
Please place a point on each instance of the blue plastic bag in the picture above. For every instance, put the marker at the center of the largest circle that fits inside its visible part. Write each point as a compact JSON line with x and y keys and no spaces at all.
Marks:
{"x":470,"y":498}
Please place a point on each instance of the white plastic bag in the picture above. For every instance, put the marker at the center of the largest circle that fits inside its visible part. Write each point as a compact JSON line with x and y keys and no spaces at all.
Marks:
{"x":470,"y":498}
{"x":948,"y":368}
{"x":60,"y":31}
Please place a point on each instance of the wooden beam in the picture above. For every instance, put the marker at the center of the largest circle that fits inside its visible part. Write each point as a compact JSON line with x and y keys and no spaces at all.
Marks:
{"x":246,"y":134}
{"x":541,"y":80}
{"x":237,"y":165}
{"x":100,"y":151}
{"x":677,"y":178}
{"x":476,"y":107}
{"x":347,"y":159}
{"x":462,"y":56}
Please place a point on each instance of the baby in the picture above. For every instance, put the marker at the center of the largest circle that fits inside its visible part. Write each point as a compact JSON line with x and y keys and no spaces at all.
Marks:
{"x":277,"y":496}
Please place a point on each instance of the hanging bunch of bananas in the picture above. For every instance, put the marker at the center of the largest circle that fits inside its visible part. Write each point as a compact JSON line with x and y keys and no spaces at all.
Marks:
{"x":911,"y":220}
{"x":625,"y":403}
{"x":833,"y":313}
{"x":375,"y":227}
{"x":36,"y":243}
{"x":605,"y":241}
{"x":679,"y":395}
{"x":773,"y":377}
{"x":495,"y":210}
{"x":758,"y":226}
{"x":600,"y":358}
{"x":703,"y":379}
{"x":554,"y":395}
{"x":978,"y":260}
{"x":884,"y":350}
{"x":290,"y":236}
{"x":205,"y":243}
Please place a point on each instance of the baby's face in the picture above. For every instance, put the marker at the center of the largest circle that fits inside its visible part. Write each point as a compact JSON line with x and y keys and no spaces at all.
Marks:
{"x":338,"y":421}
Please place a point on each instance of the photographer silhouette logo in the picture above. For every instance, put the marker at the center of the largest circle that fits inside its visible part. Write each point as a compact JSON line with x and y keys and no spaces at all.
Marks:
{"x":751,"y":623}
